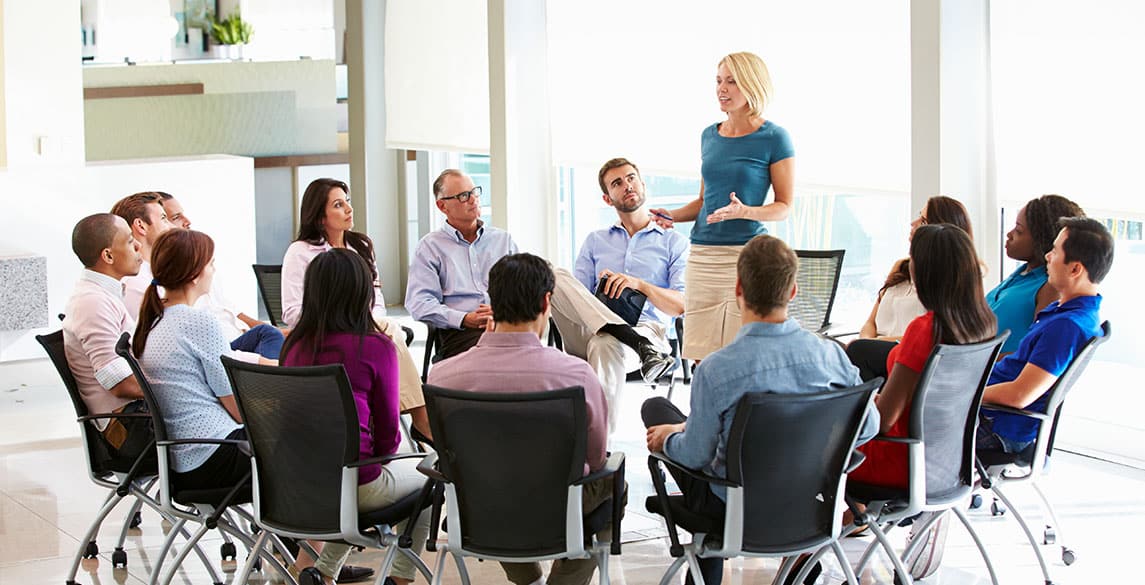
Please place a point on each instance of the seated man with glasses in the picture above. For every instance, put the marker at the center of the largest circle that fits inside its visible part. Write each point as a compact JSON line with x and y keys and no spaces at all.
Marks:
{"x":449,"y":274}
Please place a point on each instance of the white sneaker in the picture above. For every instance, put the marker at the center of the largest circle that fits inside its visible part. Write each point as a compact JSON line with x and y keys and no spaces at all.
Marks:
{"x":925,"y":560}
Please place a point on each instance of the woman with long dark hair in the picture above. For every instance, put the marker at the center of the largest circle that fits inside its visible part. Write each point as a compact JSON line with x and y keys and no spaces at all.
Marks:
{"x":897,"y":303}
{"x":325,"y":223}
{"x":1016,"y":300}
{"x":178,"y":348}
{"x":340,"y":329}
{"x":947,"y":276}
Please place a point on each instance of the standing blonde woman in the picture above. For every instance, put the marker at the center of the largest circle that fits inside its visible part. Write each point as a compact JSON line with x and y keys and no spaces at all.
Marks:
{"x":743,"y":157}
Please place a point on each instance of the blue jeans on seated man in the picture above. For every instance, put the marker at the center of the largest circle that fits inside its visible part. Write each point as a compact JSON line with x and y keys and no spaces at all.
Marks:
{"x":264,"y":340}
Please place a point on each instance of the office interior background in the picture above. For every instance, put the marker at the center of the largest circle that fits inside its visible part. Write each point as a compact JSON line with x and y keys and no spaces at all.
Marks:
{"x":888,"y":102}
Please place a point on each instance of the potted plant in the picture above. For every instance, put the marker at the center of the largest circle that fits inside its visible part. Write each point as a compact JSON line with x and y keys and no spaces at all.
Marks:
{"x":230,"y":34}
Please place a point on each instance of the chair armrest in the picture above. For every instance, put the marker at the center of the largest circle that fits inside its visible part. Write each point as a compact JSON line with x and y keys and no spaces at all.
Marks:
{"x":612,"y":465}
{"x":889,"y":439}
{"x":692,"y":472}
{"x":383,"y":459}
{"x":428,"y":468}
{"x":1018,"y":411}
{"x":88,"y":417}
{"x":857,"y":459}
{"x":242,"y":445}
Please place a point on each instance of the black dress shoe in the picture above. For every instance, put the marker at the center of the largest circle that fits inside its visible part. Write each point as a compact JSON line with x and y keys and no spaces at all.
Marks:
{"x":654,"y":363}
{"x":352,"y":574}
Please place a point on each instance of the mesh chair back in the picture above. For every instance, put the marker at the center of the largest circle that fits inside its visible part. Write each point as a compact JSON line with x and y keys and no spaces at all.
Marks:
{"x":1071,"y":374}
{"x":98,"y":457}
{"x":269,"y":277}
{"x":818,"y":279}
{"x":944,"y":413}
{"x":511,"y":458}
{"x":789,"y":451}
{"x":302,"y":425}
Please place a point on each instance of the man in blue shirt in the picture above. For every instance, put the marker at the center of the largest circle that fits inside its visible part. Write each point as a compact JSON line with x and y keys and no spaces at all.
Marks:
{"x":449,"y":273}
{"x":772,"y":353}
{"x":633,"y":253}
{"x":1080,"y":259}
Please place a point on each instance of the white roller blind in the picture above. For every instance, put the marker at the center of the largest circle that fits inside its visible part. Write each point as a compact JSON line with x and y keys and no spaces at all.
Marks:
{"x":1068,"y":91}
{"x":637,"y":79}
{"x":437,"y":75}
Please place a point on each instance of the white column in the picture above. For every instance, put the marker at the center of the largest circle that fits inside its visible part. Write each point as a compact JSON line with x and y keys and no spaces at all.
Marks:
{"x":521,"y":163}
{"x":951,"y":133}
{"x":41,"y":84}
{"x":375,"y":193}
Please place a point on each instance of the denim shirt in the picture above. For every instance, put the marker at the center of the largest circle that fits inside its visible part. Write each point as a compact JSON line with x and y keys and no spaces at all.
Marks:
{"x":783,"y":358}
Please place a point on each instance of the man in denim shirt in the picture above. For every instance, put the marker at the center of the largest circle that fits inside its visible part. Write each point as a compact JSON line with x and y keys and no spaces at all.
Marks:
{"x":771,"y":353}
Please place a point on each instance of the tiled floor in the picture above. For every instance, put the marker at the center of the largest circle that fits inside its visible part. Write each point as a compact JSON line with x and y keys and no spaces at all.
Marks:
{"x":46,"y":503}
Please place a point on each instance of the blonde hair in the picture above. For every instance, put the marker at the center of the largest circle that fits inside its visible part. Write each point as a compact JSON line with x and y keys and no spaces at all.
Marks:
{"x":753,"y":79}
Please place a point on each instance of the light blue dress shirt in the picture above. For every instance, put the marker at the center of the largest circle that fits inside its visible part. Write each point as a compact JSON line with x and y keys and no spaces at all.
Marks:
{"x":783,"y":358}
{"x":653,"y":254}
{"x":449,"y":277}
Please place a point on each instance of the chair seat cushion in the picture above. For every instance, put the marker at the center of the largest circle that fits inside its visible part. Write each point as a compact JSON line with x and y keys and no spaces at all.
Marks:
{"x":685,"y":518}
{"x":213,"y":496}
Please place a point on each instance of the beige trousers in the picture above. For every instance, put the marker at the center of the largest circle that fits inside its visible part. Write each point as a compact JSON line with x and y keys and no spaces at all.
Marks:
{"x":579,"y":316}
{"x":711,"y":315}
{"x":409,"y":381}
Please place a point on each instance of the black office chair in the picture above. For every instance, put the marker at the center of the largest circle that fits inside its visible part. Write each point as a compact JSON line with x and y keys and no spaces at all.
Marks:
{"x":269,"y":278}
{"x":207,"y":507}
{"x":998,"y":468}
{"x":121,"y":478}
{"x":940,"y":452}
{"x":787,"y":460}
{"x":433,"y":345}
{"x":304,"y":435}
{"x":818,"y":281}
{"x":512,"y":465}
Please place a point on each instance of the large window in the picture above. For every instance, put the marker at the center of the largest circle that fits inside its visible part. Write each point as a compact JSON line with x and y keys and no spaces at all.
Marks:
{"x":1067,"y":116}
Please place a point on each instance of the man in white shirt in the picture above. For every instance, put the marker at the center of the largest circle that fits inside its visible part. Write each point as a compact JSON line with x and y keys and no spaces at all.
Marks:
{"x":147,"y":220}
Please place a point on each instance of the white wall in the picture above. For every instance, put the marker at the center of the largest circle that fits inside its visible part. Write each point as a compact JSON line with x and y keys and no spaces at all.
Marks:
{"x":38,"y":211}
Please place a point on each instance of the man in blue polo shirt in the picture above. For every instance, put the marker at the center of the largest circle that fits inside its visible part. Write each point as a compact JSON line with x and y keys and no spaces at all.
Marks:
{"x":1080,"y":259}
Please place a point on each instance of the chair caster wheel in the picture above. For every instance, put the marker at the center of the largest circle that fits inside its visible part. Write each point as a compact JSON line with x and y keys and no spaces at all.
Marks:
{"x":91,"y":551}
{"x":310,"y":576}
{"x":997,"y":509}
{"x":975,"y":501}
{"x":1049,"y":536}
{"x":136,"y":520}
{"x":119,"y":559}
{"x":227,"y":551}
{"x":257,"y":564}
{"x":1068,"y":556}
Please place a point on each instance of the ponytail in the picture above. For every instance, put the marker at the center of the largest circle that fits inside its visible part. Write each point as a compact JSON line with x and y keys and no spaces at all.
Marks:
{"x":177,"y":258}
{"x":150,"y":312}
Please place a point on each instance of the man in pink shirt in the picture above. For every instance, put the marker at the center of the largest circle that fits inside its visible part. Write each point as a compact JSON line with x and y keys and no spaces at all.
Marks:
{"x":511,"y":358}
{"x":95,"y":318}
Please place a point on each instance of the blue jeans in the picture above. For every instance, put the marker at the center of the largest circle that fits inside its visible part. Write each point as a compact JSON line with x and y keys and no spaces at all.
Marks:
{"x":264,"y":340}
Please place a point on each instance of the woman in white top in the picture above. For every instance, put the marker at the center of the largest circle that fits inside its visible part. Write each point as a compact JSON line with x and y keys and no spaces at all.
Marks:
{"x":897,"y":303}
{"x":326,"y":221}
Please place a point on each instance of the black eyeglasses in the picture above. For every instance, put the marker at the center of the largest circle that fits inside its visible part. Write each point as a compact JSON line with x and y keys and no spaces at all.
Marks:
{"x":463,"y":197}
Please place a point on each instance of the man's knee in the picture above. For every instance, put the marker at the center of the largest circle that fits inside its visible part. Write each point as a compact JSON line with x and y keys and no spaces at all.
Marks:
{"x":658,"y":410}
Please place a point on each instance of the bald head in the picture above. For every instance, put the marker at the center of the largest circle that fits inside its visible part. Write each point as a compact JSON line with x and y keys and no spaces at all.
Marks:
{"x":93,"y":234}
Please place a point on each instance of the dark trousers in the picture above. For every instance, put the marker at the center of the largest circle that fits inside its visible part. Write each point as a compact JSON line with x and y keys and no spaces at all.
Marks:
{"x":698,"y":495}
{"x":226,"y":467}
{"x":126,"y":439}
{"x":870,"y":356}
{"x":264,"y":340}
{"x":454,"y":341}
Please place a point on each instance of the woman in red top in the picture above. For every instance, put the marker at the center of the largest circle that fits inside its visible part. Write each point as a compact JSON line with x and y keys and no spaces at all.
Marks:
{"x":947,"y":276}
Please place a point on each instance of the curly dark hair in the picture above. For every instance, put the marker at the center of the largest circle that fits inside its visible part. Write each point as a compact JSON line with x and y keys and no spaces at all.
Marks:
{"x":1042,"y":215}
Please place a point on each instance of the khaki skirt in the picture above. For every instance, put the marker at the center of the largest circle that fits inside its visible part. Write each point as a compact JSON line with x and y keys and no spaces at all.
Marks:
{"x":711,"y":315}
